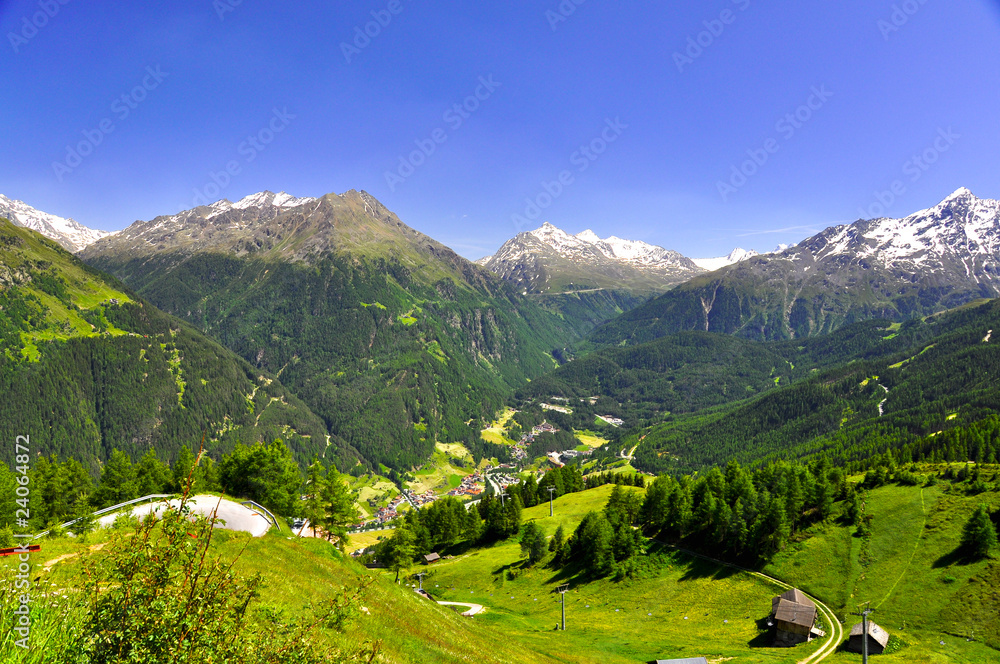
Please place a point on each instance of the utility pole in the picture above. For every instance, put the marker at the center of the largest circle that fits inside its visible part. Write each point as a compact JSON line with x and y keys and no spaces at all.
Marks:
{"x":420,"y":577}
{"x":551,"y":491}
{"x":562,"y":591}
{"x":502,"y":494}
{"x":864,"y":629}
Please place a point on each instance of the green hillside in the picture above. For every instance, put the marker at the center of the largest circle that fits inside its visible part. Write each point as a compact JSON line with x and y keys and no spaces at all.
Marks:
{"x":853,"y":393}
{"x":298,"y":576}
{"x":89,"y":367}
{"x":922,"y":589}
{"x":908,"y":568}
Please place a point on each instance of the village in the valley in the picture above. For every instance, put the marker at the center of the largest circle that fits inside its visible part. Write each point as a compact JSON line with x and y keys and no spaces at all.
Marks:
{"x":489,"y":478}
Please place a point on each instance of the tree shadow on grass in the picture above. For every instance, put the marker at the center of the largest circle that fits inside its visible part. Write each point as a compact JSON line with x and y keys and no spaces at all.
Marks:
{"x":699,"y":568}
{"x":958,"y":556}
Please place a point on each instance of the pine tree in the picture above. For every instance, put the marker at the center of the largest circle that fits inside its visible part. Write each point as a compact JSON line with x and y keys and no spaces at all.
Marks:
{"x":532,"y":542}
{"x":399,"y":550}
{"x":152,"y":475}
{"x":182,"y":469}
{"x":118,"y":483}
{"x":340,"y":512}
{"x":313,"y":509}
{"x":979,"y":535}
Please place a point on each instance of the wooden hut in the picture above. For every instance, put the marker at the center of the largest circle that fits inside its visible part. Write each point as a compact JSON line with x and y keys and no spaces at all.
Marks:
{"x":794,"y":616}
{"x":878,"y":638}
{"x":432,"y":558}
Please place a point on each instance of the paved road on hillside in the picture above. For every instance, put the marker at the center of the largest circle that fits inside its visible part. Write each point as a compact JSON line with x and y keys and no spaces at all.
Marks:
{"x":236,"y":516}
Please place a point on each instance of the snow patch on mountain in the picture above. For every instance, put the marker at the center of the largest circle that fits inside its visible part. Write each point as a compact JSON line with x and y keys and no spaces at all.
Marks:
{"x":72,"y":235}
{"x":735,"y":256}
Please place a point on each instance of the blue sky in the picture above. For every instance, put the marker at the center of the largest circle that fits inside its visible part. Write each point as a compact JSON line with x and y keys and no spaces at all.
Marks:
{"x":887,"y":82}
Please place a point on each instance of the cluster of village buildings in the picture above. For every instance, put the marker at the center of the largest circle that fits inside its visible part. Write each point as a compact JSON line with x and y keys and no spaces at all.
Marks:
{"x":471,"y":486}
{"x":520,"y":451}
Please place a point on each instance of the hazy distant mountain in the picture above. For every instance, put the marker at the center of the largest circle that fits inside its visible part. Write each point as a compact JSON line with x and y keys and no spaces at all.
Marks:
{"x":549,"y":260}
{"x":391,"y":337}
{"x":70,"y":234}
{"x":893,"y":268}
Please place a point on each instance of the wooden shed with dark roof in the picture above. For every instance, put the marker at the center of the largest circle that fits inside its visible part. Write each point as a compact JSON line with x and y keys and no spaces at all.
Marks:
{"x":794,"y":616}
{"x":432,"y":558}
{"x":878,"y":638}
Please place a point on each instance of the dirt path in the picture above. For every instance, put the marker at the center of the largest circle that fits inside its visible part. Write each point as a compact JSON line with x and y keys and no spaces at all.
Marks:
{"x":473,"y":609}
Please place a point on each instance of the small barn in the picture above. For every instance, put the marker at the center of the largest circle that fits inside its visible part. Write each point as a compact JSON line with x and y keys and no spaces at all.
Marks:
{"x":878,"y":638}
{"x":432,"y":558}
{"x":794,"y":616}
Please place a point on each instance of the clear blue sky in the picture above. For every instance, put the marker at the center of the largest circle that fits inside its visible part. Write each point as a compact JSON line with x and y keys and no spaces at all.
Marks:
{"x":688,"y":123}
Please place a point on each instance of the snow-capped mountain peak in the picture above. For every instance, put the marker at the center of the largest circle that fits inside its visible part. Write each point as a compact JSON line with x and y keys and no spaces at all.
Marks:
{"x":586,"y":259}
{"x":73,"y":236}
{"x":735,"y":256}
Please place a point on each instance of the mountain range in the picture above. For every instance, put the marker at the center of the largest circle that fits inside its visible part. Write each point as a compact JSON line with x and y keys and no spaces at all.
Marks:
{"x":72,"y":235}
{"x":88,"y":366}
{"x":345,"y":310}
{"x":895,"y":269}
{"x":385,"y":332}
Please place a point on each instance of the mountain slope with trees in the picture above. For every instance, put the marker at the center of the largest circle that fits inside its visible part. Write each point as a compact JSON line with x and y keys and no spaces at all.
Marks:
{"x":89,"y":367}
{"x":392,"y":338}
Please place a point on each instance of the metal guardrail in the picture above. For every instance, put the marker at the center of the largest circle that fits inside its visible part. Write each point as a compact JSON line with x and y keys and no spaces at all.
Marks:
{"x":263,"y":509}
{"x":113,"y":508}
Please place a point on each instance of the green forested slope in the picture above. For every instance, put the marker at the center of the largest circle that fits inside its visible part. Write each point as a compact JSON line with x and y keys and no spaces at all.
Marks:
{"x":88,"y":367}
{"x":947,"y":378}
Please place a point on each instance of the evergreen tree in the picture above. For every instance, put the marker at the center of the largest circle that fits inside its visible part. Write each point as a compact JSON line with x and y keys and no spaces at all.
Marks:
{"x":979,"y":534}
{"x":313,"y":508}
{"x":152,"y":475}
{"x":532,"y":542}
{"x":182,"y":469}
{"x":266,"y":474}
{"x":398,"y":551}
{"x":592,"y":544}
{"x":340,"y":512}
{"x":118,"y":482}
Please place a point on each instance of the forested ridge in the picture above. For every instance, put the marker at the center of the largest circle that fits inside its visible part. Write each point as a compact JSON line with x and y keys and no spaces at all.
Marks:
{"x":88,"y":367}
{"x":931,"y":376}
{"x":390,"y":362}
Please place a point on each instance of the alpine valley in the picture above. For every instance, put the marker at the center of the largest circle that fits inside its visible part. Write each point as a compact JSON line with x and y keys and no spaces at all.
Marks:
{"x":823,"y":416}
